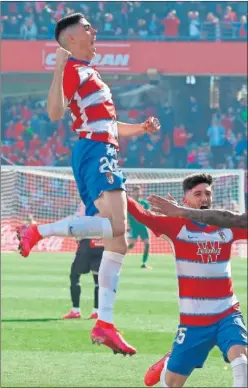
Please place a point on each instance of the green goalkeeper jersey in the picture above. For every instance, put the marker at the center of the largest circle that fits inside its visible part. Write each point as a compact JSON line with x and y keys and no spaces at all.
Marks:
{"x":135,"y":225}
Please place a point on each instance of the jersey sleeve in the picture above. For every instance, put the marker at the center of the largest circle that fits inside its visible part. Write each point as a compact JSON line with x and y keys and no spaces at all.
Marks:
{"x":71,"y":82}
{"x":239,"y":234}
{"x":157,"y":224}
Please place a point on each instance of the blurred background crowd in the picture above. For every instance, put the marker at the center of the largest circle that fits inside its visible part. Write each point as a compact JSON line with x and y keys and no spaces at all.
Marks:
{"x":175,"y":20}
{"x":192,"y":135}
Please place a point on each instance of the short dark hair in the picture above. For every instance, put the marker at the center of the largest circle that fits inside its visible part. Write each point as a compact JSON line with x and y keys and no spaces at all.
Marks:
{"x":196,"y":179}
{"x":67,"y":21}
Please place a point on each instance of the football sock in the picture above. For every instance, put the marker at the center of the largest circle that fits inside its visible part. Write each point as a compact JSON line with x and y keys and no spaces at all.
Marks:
{"x":146,"y":253}
{"x":130,"y":246}
{"x":75,"y":288}
{"x":96,"y":291}
{"x":76,"y":309}
{"x":108,"y":278}
{"x":83,"y":227}
{"x":239,"y":368}
{"x":163,"y":373}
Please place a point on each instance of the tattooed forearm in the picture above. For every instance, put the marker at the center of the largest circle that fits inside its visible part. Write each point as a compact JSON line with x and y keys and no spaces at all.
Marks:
{"x":222,"y":218}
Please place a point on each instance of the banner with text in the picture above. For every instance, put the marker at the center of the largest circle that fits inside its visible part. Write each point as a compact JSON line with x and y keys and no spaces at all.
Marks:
{"x":198,"y":58}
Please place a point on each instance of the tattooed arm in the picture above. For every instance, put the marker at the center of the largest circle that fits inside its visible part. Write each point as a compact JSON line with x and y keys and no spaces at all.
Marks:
{"x":222,"y":218}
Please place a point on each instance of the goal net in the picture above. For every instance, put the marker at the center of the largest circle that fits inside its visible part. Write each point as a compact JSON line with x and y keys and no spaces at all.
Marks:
{"x":47,"y":194}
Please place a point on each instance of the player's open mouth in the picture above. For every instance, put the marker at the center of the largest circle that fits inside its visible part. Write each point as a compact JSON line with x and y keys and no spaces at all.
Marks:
{"x":204,"y":207}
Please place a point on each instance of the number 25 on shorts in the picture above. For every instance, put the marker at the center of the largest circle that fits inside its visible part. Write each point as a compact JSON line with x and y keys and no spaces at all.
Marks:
{"x":181,"y":335}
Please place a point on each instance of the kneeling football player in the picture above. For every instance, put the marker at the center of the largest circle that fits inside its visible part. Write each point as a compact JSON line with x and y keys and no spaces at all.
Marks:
{"x":87,"y":259}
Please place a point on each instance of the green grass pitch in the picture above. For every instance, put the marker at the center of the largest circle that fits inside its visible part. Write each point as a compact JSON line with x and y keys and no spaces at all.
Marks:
{"x":41,"y":350}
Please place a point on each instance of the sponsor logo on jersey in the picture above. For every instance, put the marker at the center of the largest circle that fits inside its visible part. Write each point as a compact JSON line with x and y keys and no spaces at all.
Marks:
{"x":209,"y":251}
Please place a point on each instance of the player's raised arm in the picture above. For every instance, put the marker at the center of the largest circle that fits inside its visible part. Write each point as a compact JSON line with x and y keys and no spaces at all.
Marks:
{"x":151,"y":125}
{"x":57,"y":103}
{"x":157,"y":224}
{"x":222,"y":218}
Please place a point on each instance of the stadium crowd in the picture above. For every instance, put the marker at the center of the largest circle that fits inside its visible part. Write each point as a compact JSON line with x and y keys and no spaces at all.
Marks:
{"x":191,"y":20}
{"x":217,"y":139}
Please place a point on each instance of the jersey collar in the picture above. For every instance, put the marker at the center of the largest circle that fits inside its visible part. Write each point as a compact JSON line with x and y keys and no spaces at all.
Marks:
{"x":80,"y":60}
{"x":199,"y":224}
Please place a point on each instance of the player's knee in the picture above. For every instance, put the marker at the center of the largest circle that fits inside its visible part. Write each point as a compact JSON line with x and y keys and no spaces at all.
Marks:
{"x":74,"y":278}
{"x":239,"y":369}
{"x":119,"y":228}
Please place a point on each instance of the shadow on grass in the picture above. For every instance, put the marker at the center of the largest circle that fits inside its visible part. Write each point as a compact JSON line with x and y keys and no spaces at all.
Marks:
{"x":32,"y":320}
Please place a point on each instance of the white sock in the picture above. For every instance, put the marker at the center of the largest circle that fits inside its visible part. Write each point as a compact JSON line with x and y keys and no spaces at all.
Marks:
{"x":108,"y":278}
{"x":239,"y":368}
{"x":83,"y":227}
{"x":163,"y":373}
{"x":76,"y":309}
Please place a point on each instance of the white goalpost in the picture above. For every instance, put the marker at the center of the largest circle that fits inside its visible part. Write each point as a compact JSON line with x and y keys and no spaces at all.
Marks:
{"x":47,"y":194}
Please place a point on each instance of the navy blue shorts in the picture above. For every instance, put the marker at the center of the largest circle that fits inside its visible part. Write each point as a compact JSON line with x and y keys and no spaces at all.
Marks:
{"x":193,"y":344}
{"x":95,"y":168}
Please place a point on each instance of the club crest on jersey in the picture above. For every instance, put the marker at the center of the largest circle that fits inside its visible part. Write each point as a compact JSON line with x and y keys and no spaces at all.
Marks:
{"x":209,"y":251}
{"x":222,"y":236}
{"x":110,"y":177}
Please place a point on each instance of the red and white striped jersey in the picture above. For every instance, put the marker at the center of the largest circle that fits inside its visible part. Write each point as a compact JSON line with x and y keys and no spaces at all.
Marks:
{"x":90,"y":101}
{"x":202,"y":254}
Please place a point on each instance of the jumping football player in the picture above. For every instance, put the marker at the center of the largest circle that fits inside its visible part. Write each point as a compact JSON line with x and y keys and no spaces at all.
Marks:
{"x":139,"y":230}
{"x":87,"y":259}
{"x":209,"y":310}
{"x":222,"y":218}
{"x":77,"y":85}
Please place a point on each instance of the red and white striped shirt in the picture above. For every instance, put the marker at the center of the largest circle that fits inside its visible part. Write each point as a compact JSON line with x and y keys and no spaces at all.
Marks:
{"x":90,"y":101}
{"x":202,"y":254}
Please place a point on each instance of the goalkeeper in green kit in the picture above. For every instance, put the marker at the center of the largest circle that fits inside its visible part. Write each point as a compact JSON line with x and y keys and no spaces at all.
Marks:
{"x":138,"y":230}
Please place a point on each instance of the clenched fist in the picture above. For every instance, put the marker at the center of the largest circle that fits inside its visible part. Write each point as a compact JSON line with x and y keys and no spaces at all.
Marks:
{"x":61,"y":57}
{"x":152,"y":125}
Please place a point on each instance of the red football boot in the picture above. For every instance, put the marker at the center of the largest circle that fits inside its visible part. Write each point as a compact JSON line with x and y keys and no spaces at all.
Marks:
{"x":28,"y":236}
{"x":104,"y":333}
{"x":93,"y":315}
{"x":72,"y":315}
{"x":152,"y":376}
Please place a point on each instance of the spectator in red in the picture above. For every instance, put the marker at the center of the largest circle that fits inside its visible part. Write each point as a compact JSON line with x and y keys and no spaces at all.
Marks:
{"x":229,"y":18}
{"x":20,"y":144}
{"x":19,"y":128}
{"x":26,"y":113}
{"x":192,"y":160}
{"x":9,"y":133}
{"x":35,"y":143}
{"x":180,"y":137}
{"x":243,"y":27}
{"x":171,"y":25}
{"x":227,"y":121}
